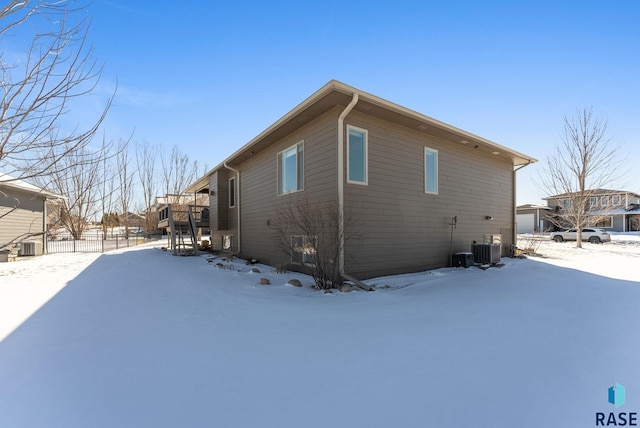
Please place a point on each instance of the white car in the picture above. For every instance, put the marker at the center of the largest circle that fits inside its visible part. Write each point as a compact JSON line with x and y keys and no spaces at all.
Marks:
{"x":595,"y":236}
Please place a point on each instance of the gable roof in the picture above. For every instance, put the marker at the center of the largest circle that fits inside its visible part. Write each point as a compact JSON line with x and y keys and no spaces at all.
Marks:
{"x":533,"y":207}
{"x":10,"y":182}
{"x":594,"y":192}
{"x":336,"y":93}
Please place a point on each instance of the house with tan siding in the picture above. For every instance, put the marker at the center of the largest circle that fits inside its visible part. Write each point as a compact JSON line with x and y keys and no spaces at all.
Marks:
{"x":415,"y":190}
{"x":23,"y":215}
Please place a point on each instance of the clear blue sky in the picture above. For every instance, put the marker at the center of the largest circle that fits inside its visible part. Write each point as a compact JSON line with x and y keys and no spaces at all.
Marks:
{"x":210,"y":75}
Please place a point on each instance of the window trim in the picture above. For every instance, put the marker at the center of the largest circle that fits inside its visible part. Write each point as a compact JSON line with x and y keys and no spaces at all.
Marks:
{"x":299,"y":177}
{"x":596,"y":224}
{"x":614,"y":198}
{"x":593,"y":201}
{"x":366,"y":156}
{"x":426,"y":176}
{"x":232,"y":192}
{"x":605,"y":200}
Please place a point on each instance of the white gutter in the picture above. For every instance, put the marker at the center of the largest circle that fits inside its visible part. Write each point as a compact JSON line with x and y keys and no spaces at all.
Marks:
{"x":344,"y":114}
{"x":237,"y":198}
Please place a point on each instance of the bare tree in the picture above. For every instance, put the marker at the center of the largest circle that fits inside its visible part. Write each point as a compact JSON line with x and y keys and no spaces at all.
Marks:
{"x":38,"y":90}
{"x":125,"y":187}
{"x":308,"y":233}
{"x":106,"y":193}
{"x":146,"y":161}
{"x":178,"y":171}
{"x":78,"y":179}
{"x":584,"y":164}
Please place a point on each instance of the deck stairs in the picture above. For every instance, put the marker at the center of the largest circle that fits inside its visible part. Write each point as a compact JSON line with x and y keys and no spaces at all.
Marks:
{"x":183,"y":235}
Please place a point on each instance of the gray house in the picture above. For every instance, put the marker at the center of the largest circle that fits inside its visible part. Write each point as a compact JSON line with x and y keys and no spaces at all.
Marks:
{"x":415,"y":189}
{"x":23,"y":216}
{"x":613,"y":210}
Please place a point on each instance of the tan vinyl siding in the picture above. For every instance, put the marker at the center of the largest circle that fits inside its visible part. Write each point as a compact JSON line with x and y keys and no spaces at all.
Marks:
{"x":259,"y":192}
{"x":399,"y":227}
{"x":396,"y":226}
{"x":21,"y":216}
{"x":219,"y":202}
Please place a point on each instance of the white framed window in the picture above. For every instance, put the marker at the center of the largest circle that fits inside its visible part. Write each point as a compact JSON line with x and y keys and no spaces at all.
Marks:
{"x":303,"y":250}
{"x":430,"y":171}
{"x":616,"y":200}
{"x":604,"y":222}
{"x":291,"y":169}
{"x":232,"y":192}
{"x":227,"y":242}
{"x":593,"y":201}
{"x":604,"y":201}
{"x":566,"y":203}
{"x":357,"y":155}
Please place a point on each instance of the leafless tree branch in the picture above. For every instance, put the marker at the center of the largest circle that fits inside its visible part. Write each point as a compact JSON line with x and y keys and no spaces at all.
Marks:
{"x":38,"y":91}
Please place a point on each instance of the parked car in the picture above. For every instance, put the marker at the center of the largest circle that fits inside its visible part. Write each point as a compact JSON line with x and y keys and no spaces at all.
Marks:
{"x":595,"y":236}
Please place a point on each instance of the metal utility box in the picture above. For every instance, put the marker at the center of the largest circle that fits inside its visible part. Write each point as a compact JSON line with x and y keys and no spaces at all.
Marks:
{"x":33,"y":248}
{"x":486,"y":253}
{"x":462,"y":260}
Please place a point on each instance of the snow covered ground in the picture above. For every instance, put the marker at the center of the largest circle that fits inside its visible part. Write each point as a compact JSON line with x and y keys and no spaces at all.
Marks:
{"x":139,"y":338}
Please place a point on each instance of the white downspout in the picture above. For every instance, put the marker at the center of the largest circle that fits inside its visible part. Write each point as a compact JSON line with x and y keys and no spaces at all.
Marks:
{"x":344,"y":114}
{"x":514,"y":231}
{"x":237,"y":198}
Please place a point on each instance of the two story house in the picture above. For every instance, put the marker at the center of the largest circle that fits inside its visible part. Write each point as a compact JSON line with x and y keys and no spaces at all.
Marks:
{"x":614,"y":210}
{"x":415,"y":189}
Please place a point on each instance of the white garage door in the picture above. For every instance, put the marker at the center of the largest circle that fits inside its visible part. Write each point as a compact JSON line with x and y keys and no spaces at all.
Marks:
{"x":525,"y":223}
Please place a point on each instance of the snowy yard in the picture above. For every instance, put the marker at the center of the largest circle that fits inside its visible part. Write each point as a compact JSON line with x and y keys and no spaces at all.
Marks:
{"x":139,"y":338}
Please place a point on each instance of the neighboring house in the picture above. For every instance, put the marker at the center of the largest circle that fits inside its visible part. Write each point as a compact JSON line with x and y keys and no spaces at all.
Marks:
{"x":613,"y":210}
{"x":404,"y":177}
{"x":533,"y":218}
{"x":23,"y":215}
{"x":135,"y":222}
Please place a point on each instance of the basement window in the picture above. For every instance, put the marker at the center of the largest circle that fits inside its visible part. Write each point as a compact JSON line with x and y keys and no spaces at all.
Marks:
{"x":303,"y":250}
{"x":227,"y":242}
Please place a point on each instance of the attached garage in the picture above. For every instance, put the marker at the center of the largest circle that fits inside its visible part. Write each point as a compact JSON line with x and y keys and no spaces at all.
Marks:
{"x":526,"y":223}
{"x":532,"y":218}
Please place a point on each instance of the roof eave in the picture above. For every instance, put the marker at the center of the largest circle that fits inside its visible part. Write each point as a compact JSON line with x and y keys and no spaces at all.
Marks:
{"x":517,"y":158}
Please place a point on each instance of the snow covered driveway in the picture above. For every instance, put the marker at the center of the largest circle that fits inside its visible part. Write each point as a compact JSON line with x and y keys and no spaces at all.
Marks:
{"x":140,"y":338}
